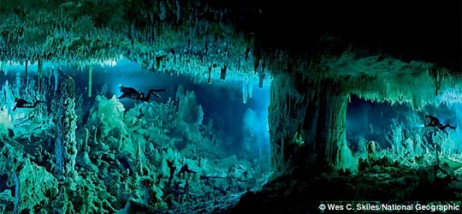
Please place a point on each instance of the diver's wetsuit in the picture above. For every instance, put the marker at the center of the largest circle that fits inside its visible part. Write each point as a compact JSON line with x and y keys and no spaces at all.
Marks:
{"x":22,"y":103}
{"x":434,"y":122}
{"x":136,"y":95}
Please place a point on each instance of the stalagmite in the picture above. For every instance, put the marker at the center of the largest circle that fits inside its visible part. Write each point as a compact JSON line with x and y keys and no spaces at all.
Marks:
{"x":56,"y":77}
{"x":66,"y":123}
{"x":90,"y":80}
{"x":65,"y":145}
{"x":40,"y":75}
{"x":17,"y":195}
{"x":139,"y":160}
{"x":18,"y":82}
{"x":26,"y":76}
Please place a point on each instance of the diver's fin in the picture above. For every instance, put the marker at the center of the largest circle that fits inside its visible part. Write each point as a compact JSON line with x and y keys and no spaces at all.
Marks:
{"x":122,"y":96}
{"x":156,"y":94}
{"x":153,"y":91}
{"x":449,"y":126}
{"x":38,"y":102}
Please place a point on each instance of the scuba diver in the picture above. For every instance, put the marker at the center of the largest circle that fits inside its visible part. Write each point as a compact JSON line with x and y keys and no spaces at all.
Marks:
{"x":136,"y":95}
{"x":22,"y":103}
{"x":434,"y":122}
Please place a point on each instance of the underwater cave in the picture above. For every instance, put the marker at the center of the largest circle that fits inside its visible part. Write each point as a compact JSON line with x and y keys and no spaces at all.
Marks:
{"x":192,"y":133}
{"x":132,"y":106}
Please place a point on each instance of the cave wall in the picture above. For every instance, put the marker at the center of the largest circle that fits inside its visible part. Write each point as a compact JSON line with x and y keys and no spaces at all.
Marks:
{"x":331,"y":123}
{"x":285,"y":115}
{"x":307,"y":121}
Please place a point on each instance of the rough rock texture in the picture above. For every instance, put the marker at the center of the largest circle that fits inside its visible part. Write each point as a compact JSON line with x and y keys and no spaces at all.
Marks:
{"x":313,"y":73}
{"x":250,"y":40}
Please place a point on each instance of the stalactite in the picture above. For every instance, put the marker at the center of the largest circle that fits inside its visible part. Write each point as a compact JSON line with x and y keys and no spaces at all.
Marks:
{"x":223,"y":73}
{"x":250,"y":90}
{"x":261,"y":77}
{"x":245,"y":92}
{"x":210,"y":75}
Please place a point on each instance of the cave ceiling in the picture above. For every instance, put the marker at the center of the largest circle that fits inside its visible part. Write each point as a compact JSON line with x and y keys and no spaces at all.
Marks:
{"x":383,"y":43}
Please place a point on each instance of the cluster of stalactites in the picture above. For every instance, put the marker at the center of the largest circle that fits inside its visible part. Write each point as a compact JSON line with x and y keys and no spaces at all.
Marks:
{"x":381,"y":79}
{"x":205,"y":48}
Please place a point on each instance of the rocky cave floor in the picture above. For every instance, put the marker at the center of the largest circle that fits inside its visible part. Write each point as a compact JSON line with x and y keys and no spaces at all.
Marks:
{"x":383,"y":182}
{"x":163,"y":158}
{"x":152,"y":158}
